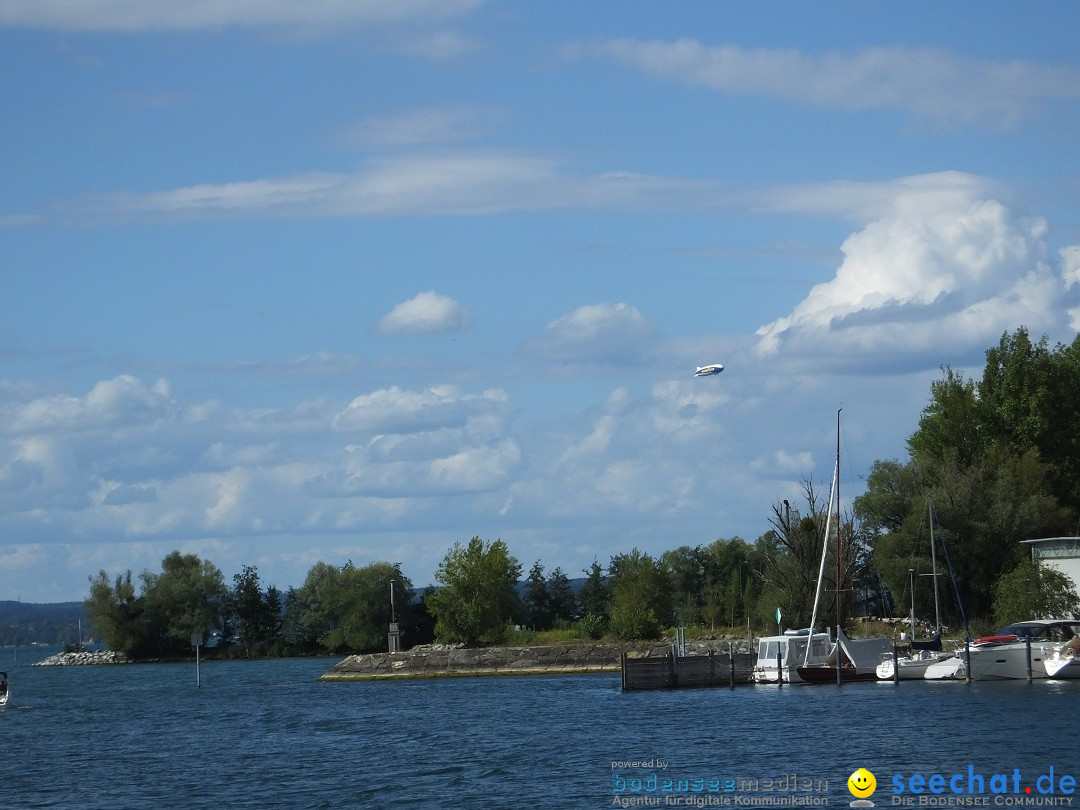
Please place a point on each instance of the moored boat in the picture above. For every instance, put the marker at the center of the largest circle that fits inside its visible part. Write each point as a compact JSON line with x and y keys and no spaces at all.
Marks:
{"x":858,"y":661}
{"x":781,"y":656}
{"x":924,"y":659}
{"x":1020,"y":650}
{"x":850,"y":660}
{"x":5,"y":690}
{"x":921,"y":664}
{"x":1064,"y":660}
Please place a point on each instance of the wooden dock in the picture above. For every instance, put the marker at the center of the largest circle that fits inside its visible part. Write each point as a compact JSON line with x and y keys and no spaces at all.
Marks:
{"x":673,"y":671}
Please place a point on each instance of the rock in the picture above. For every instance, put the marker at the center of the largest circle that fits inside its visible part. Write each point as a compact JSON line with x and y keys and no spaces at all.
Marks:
{"x":84,"y":658}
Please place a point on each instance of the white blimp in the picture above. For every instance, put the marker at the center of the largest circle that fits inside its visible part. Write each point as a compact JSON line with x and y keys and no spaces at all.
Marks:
{"x":708,"y":371}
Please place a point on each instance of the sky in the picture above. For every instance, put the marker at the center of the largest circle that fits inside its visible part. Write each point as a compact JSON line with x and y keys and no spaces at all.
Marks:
{"x":283,"y":282}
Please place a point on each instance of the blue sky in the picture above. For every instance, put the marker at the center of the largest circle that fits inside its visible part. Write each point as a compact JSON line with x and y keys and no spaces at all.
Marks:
{"x":285,"y":282}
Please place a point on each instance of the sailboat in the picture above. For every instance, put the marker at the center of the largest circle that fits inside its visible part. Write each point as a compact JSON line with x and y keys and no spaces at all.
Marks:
{"x":5,"y":690}
{"x":851,"y":660}
{"x":925,"y":659}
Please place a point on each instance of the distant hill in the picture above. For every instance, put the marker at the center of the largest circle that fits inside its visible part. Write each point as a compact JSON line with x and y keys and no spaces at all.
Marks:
{"x":28,"y":623}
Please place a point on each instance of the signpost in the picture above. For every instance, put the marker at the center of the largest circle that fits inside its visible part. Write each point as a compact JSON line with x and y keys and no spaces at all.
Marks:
{"x":196,"y":641}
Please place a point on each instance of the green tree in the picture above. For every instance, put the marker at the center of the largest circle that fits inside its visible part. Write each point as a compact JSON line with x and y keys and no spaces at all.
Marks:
{"x":116,"y":612}
{"x":314,"y":610}
{"x":1000,"y":459}
{"x":731,"y":582}
{"x":595,"y":601}
{"x":595,"y":594}
{"x":1032,"y":590}
{"x":792,"y":558}
{"x":640,"y":596}
{"x":257,"y":612}
{"x":1029,"y":399}
{"x":347,"y":608}
{"x":478,"y":597}
{"x":685,"y":569}
{"x":951,"y":424}
{"x":561,"y":594}
{"x":188,"y":596}
{"x":366,"y":608}
{"x":537,"y":599}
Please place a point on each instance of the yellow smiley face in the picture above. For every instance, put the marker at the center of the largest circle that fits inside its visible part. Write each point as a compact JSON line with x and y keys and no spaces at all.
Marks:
{"x":861,"y":783}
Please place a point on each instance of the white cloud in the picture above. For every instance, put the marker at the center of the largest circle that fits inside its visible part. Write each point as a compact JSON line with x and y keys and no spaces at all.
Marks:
{"x":594,"y":333}
{"x":930,"y":83}
{"x":423,"y":126}
{"x":426,"y":313}
{"x":470,"y":468}
{"x":151,"y":15}
{"x":109,"y":402}
{"x":458,"y":183}
{"x":951,"y":262}
{"x":393,"y":410}
{"x":920,"y":195}
{"x":1070,"y":270}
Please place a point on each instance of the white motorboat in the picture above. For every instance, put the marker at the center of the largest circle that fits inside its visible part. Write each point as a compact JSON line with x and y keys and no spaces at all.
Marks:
{"x":930,"y":665}
{"x":1005,"y":654}
{"x":1064,"y":661}
{"x":782,"y":655}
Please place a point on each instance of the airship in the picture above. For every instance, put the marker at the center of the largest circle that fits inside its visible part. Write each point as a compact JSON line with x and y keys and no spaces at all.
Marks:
{"x":708,"y":371}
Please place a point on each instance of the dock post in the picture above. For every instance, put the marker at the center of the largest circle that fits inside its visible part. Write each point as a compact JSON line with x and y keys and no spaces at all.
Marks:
{"x":779,"y":670}
{"x":1027,"y":646}
{"x":672,"y":673}
{"x":731,"y":664}
{"x":895,"y":666}
{"x":623,"y":662}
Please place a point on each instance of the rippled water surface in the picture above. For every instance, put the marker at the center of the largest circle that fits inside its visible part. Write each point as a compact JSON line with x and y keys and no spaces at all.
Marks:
{"x":270,"y":734}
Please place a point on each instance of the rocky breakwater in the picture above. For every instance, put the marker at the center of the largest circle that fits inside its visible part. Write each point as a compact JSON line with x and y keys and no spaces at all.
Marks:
{"x":445,"y":661}
{"x":83,"y":658}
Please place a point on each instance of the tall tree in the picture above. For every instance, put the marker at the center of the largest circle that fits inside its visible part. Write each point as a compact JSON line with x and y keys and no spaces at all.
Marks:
{"x":116,"y":612}
{"x":595,"y":594}
{"x":561,"y":594}
{"x":537,"y":599}
{"x":685,"y":569}
{"x":347,"y":608}
{"x":950,"y":424}
{"x":188,"y":596}
{"x":478,"y":597}
{"x":1030,"y":398}
{"x":793,"y":558}
{"x":640,"y":596}
{"x":257,"y":612}
{"x":1000,"y":459}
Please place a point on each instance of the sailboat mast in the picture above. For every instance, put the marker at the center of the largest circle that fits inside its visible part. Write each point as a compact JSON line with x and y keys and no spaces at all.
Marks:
{"x":838,"y":550}
{"x":933,"y":563}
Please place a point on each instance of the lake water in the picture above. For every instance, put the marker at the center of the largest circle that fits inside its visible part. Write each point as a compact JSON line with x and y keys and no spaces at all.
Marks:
{"x":270,"y":734}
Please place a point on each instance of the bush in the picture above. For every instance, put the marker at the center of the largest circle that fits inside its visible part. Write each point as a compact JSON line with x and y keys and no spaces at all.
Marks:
{"x":592,"y":625}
